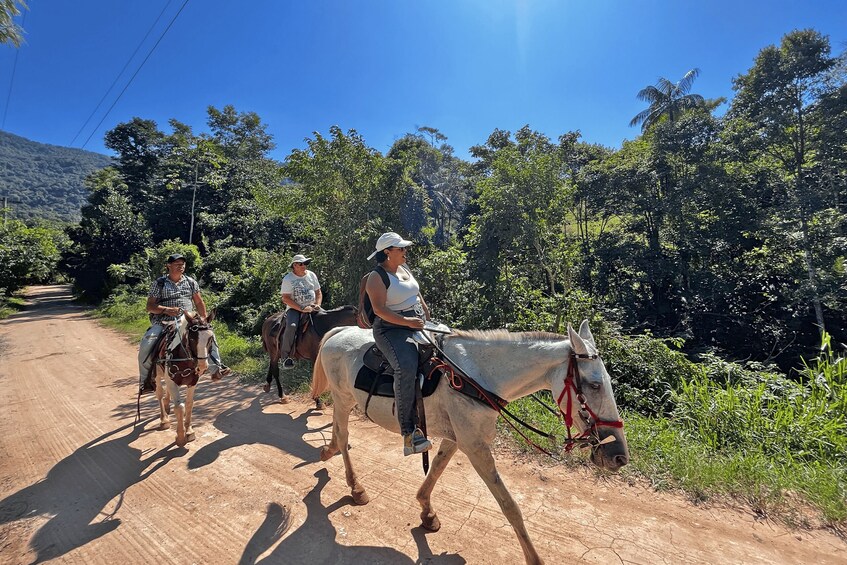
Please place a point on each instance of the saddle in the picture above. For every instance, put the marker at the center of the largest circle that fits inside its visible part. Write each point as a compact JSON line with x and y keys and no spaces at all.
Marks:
{"x":377,"y":378}
{"x":172,"y":343}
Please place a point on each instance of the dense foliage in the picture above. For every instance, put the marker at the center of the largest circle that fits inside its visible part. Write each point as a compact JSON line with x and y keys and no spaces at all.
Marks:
{"x":45,"y":181}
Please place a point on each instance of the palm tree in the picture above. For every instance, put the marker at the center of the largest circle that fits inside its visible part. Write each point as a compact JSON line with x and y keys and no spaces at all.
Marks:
{"x":667,"y":98}
{"x":9,"y":31}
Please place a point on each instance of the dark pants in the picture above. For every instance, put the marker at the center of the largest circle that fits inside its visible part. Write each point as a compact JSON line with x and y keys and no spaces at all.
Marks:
{"x":401,"y":352}
{"x":291,"y":321}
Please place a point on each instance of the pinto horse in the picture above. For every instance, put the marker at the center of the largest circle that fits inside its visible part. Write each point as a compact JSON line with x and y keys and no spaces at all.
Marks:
{"x":179,"y":359}
{"x":312,"y":329}
{"x":508,"y":365}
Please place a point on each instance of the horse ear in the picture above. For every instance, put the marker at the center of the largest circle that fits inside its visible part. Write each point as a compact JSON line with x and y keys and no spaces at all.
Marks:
{"x":211,"y":315}
{"x":585,"y":333}
{"x":577,"y":344}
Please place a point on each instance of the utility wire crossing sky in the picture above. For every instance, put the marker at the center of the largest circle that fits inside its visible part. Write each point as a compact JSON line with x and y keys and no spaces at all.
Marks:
{"x":382,"y":67}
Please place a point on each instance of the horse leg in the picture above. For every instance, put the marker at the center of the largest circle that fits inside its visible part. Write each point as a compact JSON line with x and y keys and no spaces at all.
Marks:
{"x":179,"y":412}
{"x":163,"y":399}
{"x":340,"y":435}
{"x":482,"y":460}
{"x":283,"y":398}
{"x":429,"y":519}
{"x":189,"y":406}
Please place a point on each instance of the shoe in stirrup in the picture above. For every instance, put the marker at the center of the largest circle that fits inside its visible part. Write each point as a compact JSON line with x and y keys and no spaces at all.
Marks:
{"x":288,"y":363}
{"x":415,"y":442}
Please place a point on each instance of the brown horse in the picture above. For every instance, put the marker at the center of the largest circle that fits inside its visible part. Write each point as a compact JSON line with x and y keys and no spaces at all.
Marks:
{"x":312,"y":329}
{"x":179,"y":360}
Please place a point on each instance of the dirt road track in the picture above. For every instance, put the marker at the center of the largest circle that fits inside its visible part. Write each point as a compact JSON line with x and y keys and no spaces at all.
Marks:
{"x":79,"y":483}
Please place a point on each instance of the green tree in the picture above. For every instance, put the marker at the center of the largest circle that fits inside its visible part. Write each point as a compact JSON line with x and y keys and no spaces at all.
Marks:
{"x":110,"y":232}
{"x":779,"y":97}
{"x":28,"y":255}
{"x":667,"y":99}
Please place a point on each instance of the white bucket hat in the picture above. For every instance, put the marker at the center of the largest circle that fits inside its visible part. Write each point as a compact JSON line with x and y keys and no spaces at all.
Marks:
{"x":389,"y":239}
{"x":299,"y":259}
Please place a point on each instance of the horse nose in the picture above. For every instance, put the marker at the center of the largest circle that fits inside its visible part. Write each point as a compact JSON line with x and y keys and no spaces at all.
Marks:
{"x":620,"y":460}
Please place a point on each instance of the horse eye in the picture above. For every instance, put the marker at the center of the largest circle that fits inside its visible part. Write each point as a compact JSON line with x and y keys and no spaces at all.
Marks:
{"x":596,"y":386}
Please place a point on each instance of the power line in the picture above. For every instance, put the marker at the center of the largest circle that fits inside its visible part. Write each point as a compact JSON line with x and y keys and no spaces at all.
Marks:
{"x":12,"y":79}
{"x":114,"y":82}
{"x":134,"y":75}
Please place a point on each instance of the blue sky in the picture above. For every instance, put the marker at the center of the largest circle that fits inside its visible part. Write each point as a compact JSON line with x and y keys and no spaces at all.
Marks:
{"x":384,"y":67}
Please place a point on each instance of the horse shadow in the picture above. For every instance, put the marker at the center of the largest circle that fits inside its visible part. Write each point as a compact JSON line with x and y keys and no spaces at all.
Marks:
{"x":314,"y":541}
{"x":279,"y":430}
{"x":77,"y":490}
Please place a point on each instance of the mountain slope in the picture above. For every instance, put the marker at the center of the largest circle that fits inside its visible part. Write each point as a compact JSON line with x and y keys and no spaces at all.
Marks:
{"x":44,"y":181}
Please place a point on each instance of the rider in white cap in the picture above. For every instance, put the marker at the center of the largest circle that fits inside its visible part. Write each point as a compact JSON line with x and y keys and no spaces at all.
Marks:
{"x":399,"y":311}
{"x":301,"y":293}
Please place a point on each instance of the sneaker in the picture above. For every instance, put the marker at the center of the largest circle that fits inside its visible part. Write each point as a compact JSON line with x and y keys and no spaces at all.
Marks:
{"x":288,"y":363}
{"x":221,"y":373}
{"x":415,"y":442}
{"x":267,"y":387}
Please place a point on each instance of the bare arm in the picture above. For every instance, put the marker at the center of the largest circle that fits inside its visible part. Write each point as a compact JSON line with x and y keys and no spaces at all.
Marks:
{"x":289,"y":301}
{"x":377,"y":292}
{"x":154,"y":307}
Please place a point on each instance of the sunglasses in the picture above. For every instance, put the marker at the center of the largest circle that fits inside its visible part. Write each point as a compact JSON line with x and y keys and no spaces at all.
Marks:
{"x":298,"y":263}
{"x":403,"y":249}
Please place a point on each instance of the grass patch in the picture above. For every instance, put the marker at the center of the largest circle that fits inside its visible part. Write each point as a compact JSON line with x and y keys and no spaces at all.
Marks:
{"x":10,"y":305}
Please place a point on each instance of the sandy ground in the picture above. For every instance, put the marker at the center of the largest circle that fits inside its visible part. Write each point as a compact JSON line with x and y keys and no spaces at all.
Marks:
{"x":80,"y":483}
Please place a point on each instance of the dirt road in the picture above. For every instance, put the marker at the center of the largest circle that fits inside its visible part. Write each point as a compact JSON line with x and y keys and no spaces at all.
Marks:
{"x":79,"y":483}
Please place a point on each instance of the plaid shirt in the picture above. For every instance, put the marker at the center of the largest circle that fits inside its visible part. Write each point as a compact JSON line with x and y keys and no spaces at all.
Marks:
{"x":173,"y":294}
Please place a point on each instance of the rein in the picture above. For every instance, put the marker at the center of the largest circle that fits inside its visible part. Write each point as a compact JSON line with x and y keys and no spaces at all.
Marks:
{"x":573,"y":383}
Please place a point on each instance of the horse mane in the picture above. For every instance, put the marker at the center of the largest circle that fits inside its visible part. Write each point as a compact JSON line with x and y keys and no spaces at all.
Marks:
{"x":506,"y":335}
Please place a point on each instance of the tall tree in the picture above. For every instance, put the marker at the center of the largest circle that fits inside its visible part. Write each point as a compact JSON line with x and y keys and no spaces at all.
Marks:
{"x":667,"y":99}
{"x":778,"y":97}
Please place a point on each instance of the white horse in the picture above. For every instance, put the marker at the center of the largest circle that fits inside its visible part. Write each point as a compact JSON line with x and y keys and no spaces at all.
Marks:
{"x":510,"y":365}
{"x":180,"y":361}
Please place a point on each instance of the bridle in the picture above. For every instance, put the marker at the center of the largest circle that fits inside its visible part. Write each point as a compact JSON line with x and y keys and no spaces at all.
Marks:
{"x":184,"y":367}
{"x":590,"y":437}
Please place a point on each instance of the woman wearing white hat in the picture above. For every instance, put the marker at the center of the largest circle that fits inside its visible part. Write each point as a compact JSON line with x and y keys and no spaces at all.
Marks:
{"x":399,"y":311}
{"x":301,"y":293}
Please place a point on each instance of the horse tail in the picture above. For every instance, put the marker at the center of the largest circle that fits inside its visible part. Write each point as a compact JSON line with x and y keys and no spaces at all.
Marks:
{"x":319,"y":380}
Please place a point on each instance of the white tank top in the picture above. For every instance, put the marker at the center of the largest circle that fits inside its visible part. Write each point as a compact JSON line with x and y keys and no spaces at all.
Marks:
{"x":402,"y":295}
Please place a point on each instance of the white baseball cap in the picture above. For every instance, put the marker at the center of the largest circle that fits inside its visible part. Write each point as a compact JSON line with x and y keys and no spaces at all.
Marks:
{"x":389,"y":239}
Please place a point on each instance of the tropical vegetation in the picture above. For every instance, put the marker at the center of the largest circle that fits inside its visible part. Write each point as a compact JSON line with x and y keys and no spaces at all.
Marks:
{"x":708,"y":252}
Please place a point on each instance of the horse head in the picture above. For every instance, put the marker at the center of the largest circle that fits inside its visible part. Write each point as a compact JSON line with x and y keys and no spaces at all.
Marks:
{"x":587,"y":394}
{"x":200,"y":338}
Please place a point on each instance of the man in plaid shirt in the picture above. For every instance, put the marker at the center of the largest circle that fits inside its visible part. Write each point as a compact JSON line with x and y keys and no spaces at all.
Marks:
{"x":169,"y":295}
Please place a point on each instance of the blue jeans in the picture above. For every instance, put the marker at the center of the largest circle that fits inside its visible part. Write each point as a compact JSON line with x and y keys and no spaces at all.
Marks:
{"x":145,"y":349}
{"x":401,"y":352}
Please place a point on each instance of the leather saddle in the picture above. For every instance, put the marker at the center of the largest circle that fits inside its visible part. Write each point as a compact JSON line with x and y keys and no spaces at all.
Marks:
{"x":377,"y":378}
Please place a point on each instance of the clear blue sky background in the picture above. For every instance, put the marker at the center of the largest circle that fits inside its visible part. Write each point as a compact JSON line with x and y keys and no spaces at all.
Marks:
{"x":384,"y":67}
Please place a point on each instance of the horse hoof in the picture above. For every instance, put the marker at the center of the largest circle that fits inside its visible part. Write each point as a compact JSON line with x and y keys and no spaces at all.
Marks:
{"x":430,"y":522}
{"x":319,"y":404}
{"x":190,"y":437}
{"x":360,"y":497}
{"x":267,"y":387}
{"x":326,"y":453}
{"x":180,"y":441}
{"x":164,"y":425}
{"x":284,"y":399}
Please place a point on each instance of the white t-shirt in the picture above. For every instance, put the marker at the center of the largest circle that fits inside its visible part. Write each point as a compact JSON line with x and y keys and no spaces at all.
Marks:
{"x":302,"y":289}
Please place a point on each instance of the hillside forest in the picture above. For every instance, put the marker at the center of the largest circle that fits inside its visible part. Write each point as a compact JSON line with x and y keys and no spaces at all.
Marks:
{"x":708,"y":253}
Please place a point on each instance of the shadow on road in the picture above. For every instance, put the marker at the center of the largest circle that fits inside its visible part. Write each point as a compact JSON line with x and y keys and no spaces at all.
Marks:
{"x":77,"y":490}
{"x":315,"y":540}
